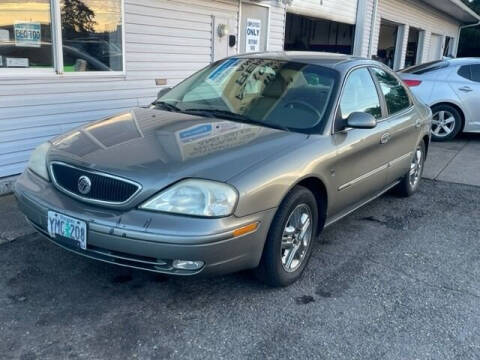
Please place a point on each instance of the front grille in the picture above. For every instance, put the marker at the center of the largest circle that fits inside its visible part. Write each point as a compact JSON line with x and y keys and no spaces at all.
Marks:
{"x":104,"y":187}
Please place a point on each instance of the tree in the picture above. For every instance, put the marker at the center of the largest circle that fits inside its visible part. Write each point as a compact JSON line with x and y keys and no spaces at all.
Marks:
{"x":77,"y":18}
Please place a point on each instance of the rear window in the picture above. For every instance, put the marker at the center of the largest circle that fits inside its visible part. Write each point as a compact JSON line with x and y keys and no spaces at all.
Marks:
{"x":425,"y":68}
{"x":465,"y":72}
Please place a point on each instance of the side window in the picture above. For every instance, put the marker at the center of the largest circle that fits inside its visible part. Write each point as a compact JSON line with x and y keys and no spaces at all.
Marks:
{"x":395,"y":94}
{"x":360,"y":95}
{"x":464,"y":72}
{"x":475,"y":72}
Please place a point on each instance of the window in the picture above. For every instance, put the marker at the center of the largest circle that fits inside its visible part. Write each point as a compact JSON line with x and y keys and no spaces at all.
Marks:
{"x":475,"y":72}
{"x":25,"y":34}
{"x":465,"y":72}
{"x":396,"y":95}
{"x":91,"y":35}
{"x":360,"y":95}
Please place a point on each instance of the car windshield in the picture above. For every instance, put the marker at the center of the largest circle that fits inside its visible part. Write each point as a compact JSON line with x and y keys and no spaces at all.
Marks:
{"x":276,"y":93}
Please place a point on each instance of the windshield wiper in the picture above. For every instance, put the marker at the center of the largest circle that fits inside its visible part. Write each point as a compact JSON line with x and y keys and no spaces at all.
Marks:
{"x":167,"y":106}
{"x":226,"y":114}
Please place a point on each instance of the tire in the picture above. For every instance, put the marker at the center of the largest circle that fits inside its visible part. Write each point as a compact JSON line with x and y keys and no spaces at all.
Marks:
{"x":411,"y":181}
{"x":447,"y":122}
{"x":274,"y":271}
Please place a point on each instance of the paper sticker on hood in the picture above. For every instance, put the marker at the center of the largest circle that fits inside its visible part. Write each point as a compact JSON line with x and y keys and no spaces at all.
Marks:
{"x":200,"y":140}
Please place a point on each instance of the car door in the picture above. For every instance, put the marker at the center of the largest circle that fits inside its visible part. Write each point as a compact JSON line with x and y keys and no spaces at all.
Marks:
{"x":466,"y":84}
{"x":402,"y":123}
{"x":360,"y":167}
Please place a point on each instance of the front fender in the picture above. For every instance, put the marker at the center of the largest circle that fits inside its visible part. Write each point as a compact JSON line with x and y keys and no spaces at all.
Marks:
{"x":265,"y":185}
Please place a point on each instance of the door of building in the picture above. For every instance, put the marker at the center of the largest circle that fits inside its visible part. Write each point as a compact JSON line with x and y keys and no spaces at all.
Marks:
{"x":253,"y":28}
{"x":222,"y":27}
{"x":435,"y":47}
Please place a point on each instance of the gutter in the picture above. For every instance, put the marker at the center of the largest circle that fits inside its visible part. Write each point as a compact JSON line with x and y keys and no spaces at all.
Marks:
{"x":460,"y":32}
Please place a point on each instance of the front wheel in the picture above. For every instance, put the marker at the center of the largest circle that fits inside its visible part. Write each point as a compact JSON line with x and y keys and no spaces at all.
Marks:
{"x":411,"y":181}
{"x":289,"y":241}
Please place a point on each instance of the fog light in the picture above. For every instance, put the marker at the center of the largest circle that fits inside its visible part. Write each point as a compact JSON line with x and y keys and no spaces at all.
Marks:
{"x":187,"y":264}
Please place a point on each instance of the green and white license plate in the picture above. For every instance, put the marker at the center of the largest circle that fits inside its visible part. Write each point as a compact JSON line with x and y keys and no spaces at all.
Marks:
{"x":68,"y":227}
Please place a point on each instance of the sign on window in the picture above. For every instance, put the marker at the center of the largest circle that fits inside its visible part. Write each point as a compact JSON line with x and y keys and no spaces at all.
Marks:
{"x":252,"y":39}
{"x":28,"y":34}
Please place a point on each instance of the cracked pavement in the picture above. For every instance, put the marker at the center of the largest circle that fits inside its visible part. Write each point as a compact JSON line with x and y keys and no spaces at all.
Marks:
{"x":397,"y":279}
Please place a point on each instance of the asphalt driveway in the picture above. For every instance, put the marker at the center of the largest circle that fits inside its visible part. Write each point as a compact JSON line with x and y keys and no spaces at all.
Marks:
{"x":396,"y":280}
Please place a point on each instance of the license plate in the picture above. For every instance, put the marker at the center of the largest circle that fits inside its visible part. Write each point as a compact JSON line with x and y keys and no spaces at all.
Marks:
{"x":68,"y":227}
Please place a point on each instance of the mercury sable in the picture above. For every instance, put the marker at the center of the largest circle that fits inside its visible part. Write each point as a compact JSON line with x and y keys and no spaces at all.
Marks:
{"x":240,"y":166}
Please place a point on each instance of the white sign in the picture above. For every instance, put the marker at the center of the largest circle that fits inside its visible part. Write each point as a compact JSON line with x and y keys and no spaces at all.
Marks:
{"x":252,"y":38}
{"x":17,"y":62}
{"x":27,"y":34}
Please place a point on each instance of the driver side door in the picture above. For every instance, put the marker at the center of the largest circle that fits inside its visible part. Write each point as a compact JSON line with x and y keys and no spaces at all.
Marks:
{"x":361,"y":164}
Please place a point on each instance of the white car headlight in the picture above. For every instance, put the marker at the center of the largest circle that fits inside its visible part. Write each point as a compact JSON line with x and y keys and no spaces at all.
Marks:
{"x":195,"y":197}
{"x":38,"y":161}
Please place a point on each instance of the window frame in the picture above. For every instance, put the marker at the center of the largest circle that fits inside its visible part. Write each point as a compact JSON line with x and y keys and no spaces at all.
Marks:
{"x":57,"y":71}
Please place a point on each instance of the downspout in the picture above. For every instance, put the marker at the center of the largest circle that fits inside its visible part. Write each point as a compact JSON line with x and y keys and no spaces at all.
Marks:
{"x":372,"y":28}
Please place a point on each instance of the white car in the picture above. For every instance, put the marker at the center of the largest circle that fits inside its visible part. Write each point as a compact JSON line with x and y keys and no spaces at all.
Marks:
{"x":452,"y":89}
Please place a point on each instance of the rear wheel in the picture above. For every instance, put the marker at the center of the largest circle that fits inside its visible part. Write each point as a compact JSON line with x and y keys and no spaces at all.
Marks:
{"x":289,"y":241}
{"x":446,"y":122}
{"x":411,"y":180}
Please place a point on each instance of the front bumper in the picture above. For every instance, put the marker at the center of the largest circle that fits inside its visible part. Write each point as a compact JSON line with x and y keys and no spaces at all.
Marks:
{"x":147,"y":240}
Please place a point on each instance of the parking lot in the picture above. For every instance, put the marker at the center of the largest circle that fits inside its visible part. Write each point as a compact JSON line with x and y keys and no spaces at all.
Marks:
{"x":398,"y":279}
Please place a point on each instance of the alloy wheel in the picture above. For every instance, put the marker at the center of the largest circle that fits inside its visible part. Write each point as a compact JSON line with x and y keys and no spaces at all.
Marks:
{"x":296,"y":238}
{"x":443,"y":123}
{"x":416,"y":167}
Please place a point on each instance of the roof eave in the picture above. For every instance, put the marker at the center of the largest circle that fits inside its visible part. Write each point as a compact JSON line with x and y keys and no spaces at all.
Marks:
{"x":456,"y":9}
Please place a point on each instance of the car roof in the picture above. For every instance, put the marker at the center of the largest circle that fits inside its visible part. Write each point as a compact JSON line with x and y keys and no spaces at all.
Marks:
{"x":331,"y":60}
{"x":464,"y":61}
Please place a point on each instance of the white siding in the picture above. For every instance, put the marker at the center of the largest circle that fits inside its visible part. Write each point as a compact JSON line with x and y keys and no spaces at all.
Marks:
{"x":342,"y":11}
{"x":277,"y":28}
{"x":165,"y":39}
{"x":412,"y":14}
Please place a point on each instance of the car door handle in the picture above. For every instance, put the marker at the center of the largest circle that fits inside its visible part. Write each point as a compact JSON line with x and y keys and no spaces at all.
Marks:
{"x":385,"y":138}
{"x":466,"y":89}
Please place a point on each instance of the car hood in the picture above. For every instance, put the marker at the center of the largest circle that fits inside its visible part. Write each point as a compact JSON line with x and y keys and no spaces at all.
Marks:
{"x":157,"y":148}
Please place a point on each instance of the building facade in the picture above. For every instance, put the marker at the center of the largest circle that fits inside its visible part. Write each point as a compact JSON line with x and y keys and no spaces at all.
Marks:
{"x":66,"y":63}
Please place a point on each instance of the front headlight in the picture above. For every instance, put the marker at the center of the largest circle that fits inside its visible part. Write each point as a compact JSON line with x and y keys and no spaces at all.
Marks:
{"x":38,"y":161}
{"x":195,"y":197}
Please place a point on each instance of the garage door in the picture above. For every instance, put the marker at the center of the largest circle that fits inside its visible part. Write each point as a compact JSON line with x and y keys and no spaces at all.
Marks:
{"x":435,"y":48}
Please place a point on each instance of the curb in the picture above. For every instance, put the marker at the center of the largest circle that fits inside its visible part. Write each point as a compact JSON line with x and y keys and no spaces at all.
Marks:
{"x":7,"y":184}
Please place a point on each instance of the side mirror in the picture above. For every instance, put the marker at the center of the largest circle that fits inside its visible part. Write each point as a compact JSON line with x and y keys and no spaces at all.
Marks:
{"x":361,"y":120}
{"x":163,"y":91}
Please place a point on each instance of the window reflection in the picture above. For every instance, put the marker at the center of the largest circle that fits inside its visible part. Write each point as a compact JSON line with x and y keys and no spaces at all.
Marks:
{"x":360,"y":95}
{"x":92,"y":35}
{"x":395,"y":94}
{"x":25,"y":34}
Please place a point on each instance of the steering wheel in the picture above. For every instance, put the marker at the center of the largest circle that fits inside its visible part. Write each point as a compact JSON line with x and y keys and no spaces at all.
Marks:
{"x":305,"y":105}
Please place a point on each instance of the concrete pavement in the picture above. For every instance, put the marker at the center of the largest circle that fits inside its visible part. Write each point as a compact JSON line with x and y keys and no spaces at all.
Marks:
{"x":12,"y":223}
{"x":456,"y":161}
